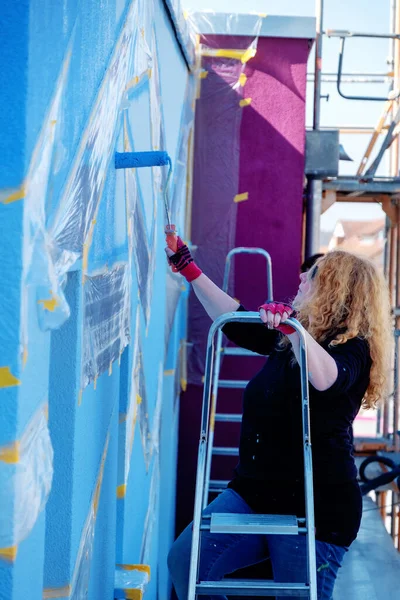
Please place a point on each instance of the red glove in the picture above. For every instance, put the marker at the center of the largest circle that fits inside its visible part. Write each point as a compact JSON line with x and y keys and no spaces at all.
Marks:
{"x":183,"y":263}
{"x":278,"y":308}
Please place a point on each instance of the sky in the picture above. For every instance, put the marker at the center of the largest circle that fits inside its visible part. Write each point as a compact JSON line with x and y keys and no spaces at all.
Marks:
{"x":361,"y":55}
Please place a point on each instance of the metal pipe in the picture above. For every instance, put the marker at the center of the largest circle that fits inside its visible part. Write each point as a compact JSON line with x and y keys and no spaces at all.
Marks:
{"x":394,"y":166}
{"x":396,"y":440}
{"x":313,"y":215}
{"x":355,"y":74}
{"x":339,"y":79}
{"x":314,"y":188}
{"x":319,"y":10}
{"x":393,"y":524}
{"x":345,"y":34}
{"x":348,"y":80}
{"x":347,"y":129}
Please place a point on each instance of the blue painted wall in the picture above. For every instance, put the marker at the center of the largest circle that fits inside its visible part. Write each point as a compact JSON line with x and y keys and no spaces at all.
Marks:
{"x":86,"y":79}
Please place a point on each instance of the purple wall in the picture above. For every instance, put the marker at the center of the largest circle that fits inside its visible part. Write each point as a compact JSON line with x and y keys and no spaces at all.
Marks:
{"x":258,"y":149}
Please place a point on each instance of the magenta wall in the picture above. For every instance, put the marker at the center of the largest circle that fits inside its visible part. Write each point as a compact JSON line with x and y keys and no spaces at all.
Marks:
{"x":256,"y":149}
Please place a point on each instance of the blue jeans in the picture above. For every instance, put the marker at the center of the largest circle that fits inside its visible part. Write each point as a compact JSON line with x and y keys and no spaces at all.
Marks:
{"x":224,"y":553}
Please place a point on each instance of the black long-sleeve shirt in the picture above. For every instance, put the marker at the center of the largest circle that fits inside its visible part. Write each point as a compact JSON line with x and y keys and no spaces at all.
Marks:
{"x":270,"y":474}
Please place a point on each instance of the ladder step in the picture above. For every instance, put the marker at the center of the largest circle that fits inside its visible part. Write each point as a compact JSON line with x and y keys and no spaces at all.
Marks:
{"x":228,"y":418}
{"x":232,"y":383}
{"x":220,"y":451}
{"x":238,"y":352}
{"x":252,"y":587}
{"x":258,"y":524}
{"x":218,"y":485}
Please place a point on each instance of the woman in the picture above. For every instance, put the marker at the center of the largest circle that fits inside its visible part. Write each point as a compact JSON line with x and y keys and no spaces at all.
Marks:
{"x":343,"y":304}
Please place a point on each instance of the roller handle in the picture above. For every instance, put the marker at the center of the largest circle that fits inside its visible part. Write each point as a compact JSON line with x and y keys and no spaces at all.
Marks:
{"x":171,"y":237}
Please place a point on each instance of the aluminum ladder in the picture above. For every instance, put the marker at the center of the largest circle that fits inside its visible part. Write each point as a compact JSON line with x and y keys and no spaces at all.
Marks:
{"x":252,"y":524}
{"x":217,"y":485}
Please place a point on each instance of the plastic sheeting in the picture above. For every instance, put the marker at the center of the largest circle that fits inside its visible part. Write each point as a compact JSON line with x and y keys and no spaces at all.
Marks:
{"x":132,"y":578}
{"x":141,"y":252}
{"x":75,"y":218}
{"x":39,"y":272}
{"x":151,"y":514}
{"x":81,"y":575}
{"x":106,"y":320}
{"x":132,"y":408}
{"x":154,"y":491}
{"x":25,"y":480}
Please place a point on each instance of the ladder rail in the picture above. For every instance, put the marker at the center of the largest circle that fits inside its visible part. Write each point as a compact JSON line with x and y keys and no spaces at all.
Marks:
{"x":218,"y":351}
{"x":252,"y":317}
{"x":245,"y":250}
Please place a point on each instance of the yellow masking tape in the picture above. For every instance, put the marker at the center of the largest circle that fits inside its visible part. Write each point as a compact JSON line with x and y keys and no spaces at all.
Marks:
{"x":185,"y":15}
{"x":241,"y":197}
{"x":212,"y":416}
{"x":250,"y":53}
{"x":85,"y":255}
{"x":138,"y":399}
{"x":9,"y":553}
{"x":263,"y":15}
{"x":183,"y":385}
{"x":121,"y":491}
{"x":25,"y":355}
{"x":133,"y":594}
{"x":61,"y":592}
{"x":7,"y":379}
{"x":49,"y":304}
{"x":224,"y":53}
{"x":17,"y":195}
{"x":242,"y":79}
{"x":245,"y":102}
{"x":169,"y":372}
{"x":203,"y":74}
{"x":132,"y":83}
{"x":10,"y":454}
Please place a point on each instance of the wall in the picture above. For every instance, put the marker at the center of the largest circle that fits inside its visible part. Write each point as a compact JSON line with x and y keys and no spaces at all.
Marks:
{"x":90,"y":341}
{"x":247,"y":191}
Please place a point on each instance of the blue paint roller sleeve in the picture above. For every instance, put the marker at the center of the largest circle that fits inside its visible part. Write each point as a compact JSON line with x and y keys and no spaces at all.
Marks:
{"x":135,"y":160}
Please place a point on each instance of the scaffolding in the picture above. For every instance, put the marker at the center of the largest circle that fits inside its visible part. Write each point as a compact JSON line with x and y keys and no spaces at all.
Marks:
{"x":325,"y":187}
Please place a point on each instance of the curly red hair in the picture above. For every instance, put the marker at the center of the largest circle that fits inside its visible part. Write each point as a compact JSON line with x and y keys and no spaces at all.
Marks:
{"x":349,"y":298}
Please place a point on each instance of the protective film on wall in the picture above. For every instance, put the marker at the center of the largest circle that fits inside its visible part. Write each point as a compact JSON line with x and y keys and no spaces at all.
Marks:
{"x":76,"y":214}
{"x":81,"y":575}
{"x":40,"y":274}
{"x":106,"y":320}
{"x":26,"y":473}
{"x":131,"y":581}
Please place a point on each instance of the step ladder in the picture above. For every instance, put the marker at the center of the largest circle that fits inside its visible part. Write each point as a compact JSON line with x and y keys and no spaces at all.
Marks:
{"x":216,"y":485}
{"x":252,"y":524}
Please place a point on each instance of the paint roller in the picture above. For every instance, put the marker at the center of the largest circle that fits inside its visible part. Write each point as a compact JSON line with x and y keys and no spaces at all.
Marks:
{"x":136,"y":160}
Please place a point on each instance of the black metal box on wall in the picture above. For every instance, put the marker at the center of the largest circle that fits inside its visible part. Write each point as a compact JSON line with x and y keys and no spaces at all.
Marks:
{"x":322,"y":153}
